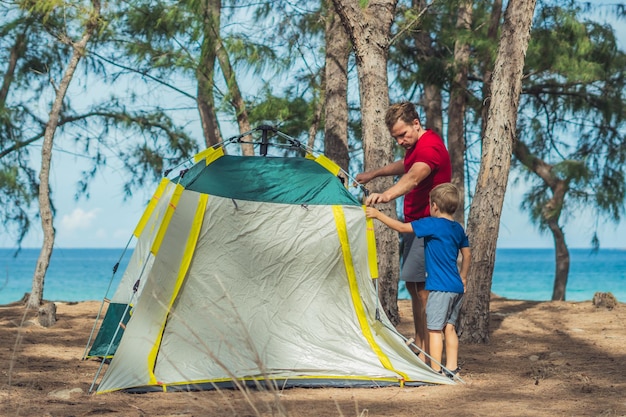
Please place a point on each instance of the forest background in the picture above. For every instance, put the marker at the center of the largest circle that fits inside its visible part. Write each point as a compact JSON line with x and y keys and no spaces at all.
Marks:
{"x":160,"y":80}
{"x":96,"y":222}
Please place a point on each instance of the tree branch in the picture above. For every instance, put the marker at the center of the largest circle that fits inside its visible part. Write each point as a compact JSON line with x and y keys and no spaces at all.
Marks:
{"x":143,"y":74}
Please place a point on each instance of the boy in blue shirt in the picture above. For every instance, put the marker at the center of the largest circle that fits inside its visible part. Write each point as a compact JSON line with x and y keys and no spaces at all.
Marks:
{"x":443,"y":240}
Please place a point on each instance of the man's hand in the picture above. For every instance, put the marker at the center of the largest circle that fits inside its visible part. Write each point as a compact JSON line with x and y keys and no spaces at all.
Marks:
{"x":363,"y":178}
{"x":375,"y":198}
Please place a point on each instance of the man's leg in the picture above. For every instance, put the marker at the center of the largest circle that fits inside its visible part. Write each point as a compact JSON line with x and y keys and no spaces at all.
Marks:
{"x":414,"y":275}
{"x":423,"y":297}
{"x":419,"y":316}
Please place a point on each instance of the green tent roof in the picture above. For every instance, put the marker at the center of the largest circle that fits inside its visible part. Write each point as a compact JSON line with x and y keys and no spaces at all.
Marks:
{"x":287,"y":180}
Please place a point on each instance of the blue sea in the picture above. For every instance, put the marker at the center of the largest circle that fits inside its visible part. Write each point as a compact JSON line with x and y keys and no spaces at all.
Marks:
{"x":523,"y":274}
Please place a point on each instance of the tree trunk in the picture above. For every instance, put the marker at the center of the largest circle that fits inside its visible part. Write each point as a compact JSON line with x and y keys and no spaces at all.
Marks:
{"x":457,"y":106}
{"x":205,"y":73}
{"x":17,"y":50}
{"x":213,"y":48}
{"x":369,"y":31}
{"x":47,"y":315}
{"x":486,"y":207}
{"x":561,"y":261}
{"x":318,"y":108}
{"x":550,"y":213}
{"x":487,"y":61}
{"x":235,"y":93}
{"x":431,"y":100}
{"x":45,"y":205}
{"x":336,"y":90}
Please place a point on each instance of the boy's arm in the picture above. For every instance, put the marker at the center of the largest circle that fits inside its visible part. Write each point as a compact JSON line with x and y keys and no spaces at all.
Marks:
{"x":465,"y":265}
{"x":396,"y":225}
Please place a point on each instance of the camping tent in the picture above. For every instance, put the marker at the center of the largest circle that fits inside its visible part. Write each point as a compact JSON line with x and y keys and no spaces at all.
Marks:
{"x":254,"y":270}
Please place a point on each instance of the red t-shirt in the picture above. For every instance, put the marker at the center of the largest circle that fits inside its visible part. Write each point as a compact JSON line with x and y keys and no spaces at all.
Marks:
{"x":430,"y":150}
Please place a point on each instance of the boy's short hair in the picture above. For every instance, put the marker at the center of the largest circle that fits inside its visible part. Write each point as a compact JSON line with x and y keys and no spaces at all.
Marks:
{"x":446,"y":196}
{"x":404,"y":110}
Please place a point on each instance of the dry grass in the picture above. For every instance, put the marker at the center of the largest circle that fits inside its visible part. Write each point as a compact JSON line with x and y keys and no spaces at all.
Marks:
{"x":544,"y":359}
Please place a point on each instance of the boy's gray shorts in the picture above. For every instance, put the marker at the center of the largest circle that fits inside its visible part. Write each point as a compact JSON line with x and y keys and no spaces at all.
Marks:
{"x":413,"y":269}
{"x":442,"y":307}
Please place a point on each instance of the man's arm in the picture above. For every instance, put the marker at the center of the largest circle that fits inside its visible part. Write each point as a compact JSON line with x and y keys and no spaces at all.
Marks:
{"x":465,"y":265}
{"x":394,"y":168}
{"x":394,"y":224}
{"x":406,"y":183}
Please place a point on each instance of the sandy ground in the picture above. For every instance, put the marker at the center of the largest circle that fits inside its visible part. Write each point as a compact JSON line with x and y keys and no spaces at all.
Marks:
{"x":543,"y":359}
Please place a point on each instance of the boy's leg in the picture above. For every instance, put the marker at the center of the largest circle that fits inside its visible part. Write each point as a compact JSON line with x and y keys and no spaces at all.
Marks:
{"x":436,"y":314}
{"x":452,"y":339}
{"x":452,"y":347}
{"x":436,"y":348}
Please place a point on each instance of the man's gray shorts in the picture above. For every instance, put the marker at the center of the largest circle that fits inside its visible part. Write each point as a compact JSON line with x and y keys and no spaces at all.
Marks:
{"x":413,"y":269}
{"x":442,"y":307}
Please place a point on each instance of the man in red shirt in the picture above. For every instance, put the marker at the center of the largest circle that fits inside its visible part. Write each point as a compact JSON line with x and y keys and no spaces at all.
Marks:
{"x":426,"y":164}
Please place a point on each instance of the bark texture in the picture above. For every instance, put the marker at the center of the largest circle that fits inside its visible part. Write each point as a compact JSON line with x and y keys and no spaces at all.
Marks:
{"x":336,"y":90}
{"x":369,"y":30}
{"x":486,"y":207}
{"x":431,"y":99}
{"x":47,"y":315}
{"x":205,"y":73}
{"x":487,"y":60}
{"x":236,"y":98}
{"x":45,"y":204}
{"x":457,"y":106}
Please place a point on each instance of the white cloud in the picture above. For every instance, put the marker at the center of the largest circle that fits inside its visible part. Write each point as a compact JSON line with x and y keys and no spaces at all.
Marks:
{"x":79,"y":219}
{"x":121,"y":234}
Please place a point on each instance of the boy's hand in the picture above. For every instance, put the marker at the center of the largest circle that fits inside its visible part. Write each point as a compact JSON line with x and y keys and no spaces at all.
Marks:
{"x":371,"y":212}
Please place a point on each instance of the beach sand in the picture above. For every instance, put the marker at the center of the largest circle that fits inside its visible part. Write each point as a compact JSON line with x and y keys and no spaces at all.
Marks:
{"x":543,"y":359}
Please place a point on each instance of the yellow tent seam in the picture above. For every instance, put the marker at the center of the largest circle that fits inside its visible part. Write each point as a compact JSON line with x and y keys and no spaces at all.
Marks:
{"x":190,"y":245}
{"x":150,"y":208}
{"x":213,"y":156}
{"x":209,"y":155}
{"x":171,"y":208}
{"x":372,"y":255}
{"x":342,"y":230}
{"x":328,"y":164}
{"x":291,"y":378}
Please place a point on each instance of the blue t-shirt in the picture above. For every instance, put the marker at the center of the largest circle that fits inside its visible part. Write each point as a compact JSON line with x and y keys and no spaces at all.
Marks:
{"x":443,"y":239}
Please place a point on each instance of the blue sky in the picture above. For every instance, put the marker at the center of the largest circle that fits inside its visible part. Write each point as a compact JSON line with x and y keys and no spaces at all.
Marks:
{"x":107,"y":221}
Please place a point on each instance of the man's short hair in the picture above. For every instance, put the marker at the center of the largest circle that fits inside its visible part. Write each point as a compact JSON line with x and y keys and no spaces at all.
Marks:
{"x":404,"y":110}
